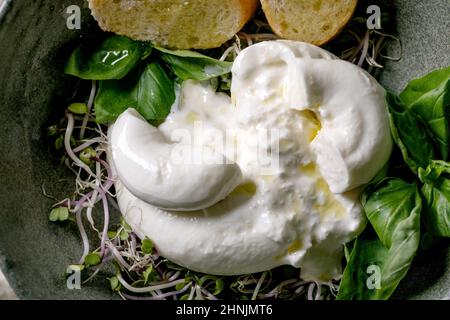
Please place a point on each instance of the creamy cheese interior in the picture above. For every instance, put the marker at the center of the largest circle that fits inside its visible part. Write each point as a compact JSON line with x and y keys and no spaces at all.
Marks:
{"x":304,"y":128}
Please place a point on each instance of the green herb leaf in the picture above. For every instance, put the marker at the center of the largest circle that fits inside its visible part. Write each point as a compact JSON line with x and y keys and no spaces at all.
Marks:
{"x":113,"y":58}
{"x":391,"y":203}
{"x":429,"y":97}
{"x":114,"y":283}
{"x":367,"y":255}
{"x":436,"y":193}
{"x":180,"y":286}
{"x":54,"y":215}
{"x":410,"y":134}
{"x":73,"y":142}
{"x":219,"y":286}
{"x":124,"y":235}
{"x":78,"y":108}
{"x":348,"y":248}
{"x":376,"y":266}
{"x":59,"y":214}
{"x":147,"y":246}
{"x":112,"y":234}
{"x":193,"y":65}
{"x":125,"y":225}
{"x":52,"y":131}
{"x":59,"y":142}
{"x":434,"y":171}
{"x":217,"y":281}
{"x":87,"y":155}
{"x":149,"y":275}
{"x":92,"y":259}
{"x":151,"y":92}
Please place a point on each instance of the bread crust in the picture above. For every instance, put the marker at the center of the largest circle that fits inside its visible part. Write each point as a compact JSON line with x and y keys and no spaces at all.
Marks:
{"x":162,"y":30}
{"x":248,"y":9}
{"x":275,"y":23}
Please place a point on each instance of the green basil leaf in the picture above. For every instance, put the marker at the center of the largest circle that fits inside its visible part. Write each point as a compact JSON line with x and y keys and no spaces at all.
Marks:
{"x":356,"y":283}
{"x":113,"y":58}
{"x":376,"y":266}
{"x":348,"y":248}
{"x":391,"y":202}
{"x":410,"y":134}
{"x":437,"y":209}
{"x":193,"y":65}
{"x":434,"y":171}
{"x":151,"y":92}
{"x":147,"y":246}
{"x":436,"y":193}
{"x":429,"y":97}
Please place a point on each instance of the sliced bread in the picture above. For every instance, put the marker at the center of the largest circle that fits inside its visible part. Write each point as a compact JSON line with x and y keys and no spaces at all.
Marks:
{"x":178,"y":24}
{"x":313,"y":21}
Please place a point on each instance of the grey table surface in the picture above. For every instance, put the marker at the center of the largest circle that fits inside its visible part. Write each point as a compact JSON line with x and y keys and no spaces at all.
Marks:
{"x":5,"y":290}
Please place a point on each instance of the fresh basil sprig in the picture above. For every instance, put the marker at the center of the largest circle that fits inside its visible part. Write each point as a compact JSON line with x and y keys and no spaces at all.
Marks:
{"x":410,"y":134}
{"x":377,"y":265}
{"x":150,"y":91}
{"x":132,"y":75}
{"x":429,"y":97}
{"x":419,"y":121}
{"x":113,"y":58}
{"x":193,"y":65}
{"x":436,"y":194}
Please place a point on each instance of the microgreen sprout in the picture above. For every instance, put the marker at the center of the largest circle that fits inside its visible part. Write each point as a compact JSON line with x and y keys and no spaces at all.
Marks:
{"x":87,"y":155}
{"x":59,"y":214}
{"x":78,"y":108}
{"x":92,"y":259}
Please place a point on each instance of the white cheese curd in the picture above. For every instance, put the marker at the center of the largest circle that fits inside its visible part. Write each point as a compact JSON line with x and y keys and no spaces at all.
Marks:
{"x":305,"y":128}
{"x":355,"y":140}
{"x":151,"y":170}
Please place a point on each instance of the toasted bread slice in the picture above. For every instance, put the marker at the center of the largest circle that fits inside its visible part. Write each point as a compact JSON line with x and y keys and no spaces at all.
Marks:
{"x":178,"y":24}
{"x":313,"y":21}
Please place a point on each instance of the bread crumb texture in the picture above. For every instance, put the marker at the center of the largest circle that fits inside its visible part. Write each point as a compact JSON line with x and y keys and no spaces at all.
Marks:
{"x":178,"y":24}
{"x":313,"y":21}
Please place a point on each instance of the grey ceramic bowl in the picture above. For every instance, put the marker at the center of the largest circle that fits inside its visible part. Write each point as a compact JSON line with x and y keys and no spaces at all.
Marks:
{"x":34,"y":44}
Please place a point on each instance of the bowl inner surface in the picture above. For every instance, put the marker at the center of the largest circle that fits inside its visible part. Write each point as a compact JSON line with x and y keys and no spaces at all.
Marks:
{"x":35,"y":44}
